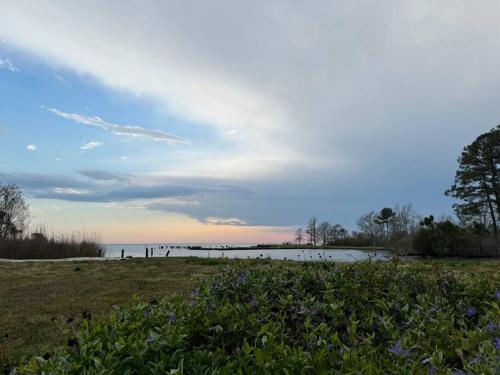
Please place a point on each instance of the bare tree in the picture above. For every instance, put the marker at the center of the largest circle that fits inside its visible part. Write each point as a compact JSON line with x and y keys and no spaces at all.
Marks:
{"x":369,"y":227}
{"x":299,"y":235}
{"x":324,"y":232}
{"x":312,"y":230}
{"x":405,"y":221}
{"x":14,"y":211}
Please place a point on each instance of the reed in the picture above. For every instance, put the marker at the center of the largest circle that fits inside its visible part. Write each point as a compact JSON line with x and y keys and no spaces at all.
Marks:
{"x":42,"y":244}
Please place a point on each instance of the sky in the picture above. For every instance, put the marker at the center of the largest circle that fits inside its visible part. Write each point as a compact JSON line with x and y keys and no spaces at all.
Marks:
{"x":236,"y":121}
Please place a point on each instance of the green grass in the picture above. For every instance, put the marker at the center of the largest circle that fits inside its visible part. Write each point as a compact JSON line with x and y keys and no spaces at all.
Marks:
{"x":38,"y":298}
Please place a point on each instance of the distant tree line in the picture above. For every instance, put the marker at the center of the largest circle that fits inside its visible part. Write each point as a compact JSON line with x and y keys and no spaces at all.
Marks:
{"x":373,"y":229}
{"x":474,"y":233}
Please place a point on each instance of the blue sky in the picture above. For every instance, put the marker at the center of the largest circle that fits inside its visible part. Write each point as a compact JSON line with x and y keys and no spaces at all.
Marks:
{"x":238,"y":121}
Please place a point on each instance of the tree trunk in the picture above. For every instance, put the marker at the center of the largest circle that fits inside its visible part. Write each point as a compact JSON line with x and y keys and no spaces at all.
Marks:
{"x":493,"y":217}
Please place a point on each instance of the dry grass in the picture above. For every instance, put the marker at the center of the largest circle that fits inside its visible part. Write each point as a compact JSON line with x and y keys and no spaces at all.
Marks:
{"x":37,"y":298}
{"x":51,"y":246}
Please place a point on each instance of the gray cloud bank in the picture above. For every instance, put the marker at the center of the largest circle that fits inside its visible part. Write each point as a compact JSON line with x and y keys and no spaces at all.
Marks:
{"x":209,"y":200}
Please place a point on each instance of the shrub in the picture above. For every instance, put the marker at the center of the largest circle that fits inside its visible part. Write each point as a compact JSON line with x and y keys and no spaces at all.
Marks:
{"x":314,"y":318}
{"x":447,"y":239}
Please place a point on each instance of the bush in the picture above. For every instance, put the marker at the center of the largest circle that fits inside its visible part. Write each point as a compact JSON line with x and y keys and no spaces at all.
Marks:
{"x":448,"y":239}
{"x":313,"y":318}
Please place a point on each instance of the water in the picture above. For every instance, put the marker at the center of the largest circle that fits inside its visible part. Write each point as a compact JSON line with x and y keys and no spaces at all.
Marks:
{"x":181,"y":250}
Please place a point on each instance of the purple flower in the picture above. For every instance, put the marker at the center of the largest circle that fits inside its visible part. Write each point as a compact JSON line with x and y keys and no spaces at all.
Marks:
{"x":253,"y":302}
{"x":171,"y":318}
{"x":470,"y":311}
{"x":431,"y":371}
{"x":497,"y":294}
{"x":150,"y":340}
{"x":242,"y":278}
{"x":476,"y":360}
{"x":341,"y":351}
{"x":459,"y":372}
{"x":497,"y":343}
{"x":491,"y":327}
{"x":398,"y":350}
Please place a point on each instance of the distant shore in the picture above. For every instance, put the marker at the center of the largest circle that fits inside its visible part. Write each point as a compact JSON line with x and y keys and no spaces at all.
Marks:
{"x":291,"y":247}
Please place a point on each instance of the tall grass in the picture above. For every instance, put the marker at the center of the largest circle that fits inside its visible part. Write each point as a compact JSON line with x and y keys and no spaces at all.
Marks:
{"x":44,"y":245}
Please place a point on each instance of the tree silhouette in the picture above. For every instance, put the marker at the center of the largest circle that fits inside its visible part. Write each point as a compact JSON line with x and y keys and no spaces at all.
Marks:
{"x":384,"y":218}
{"x":477,"y":180}
{"x":13,"y":211}
{"x":312,"y":230}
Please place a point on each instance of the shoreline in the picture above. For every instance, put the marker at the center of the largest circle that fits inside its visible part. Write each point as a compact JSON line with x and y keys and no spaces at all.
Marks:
{"x":100,"y":259}
{"x":284,"y":247}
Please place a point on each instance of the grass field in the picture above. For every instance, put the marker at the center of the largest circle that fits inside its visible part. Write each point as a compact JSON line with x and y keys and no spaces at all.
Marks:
{"x":37,"y":298}
{"x":42,"y":302}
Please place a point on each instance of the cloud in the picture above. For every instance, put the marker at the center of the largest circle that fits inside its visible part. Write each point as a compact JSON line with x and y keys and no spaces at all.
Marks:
{"x":70,"y":191}
{"x":103,"y":175}
{"x":62,"y":80}
{"x":124,"y":130}
{"x":34,"y":182}
{"x":90,"y":145}
{"x":200,"y":198}
{"x":31,"y":147}
{"x":8,"y":65}
{"x":224,"y":221}
{"x":231,"y":132}
{"x":339,"y":106}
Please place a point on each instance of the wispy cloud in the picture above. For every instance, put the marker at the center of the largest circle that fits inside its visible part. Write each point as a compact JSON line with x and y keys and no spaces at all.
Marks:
{"x":62,"y":80}
{"x":224,"y":221}
{"x":9,"y":65}
{"x":127,"y":130}
{"x":31,"y":147}
{"x":59,"y":190}
{"x":99,"y":175}
{"x":90,"y":145}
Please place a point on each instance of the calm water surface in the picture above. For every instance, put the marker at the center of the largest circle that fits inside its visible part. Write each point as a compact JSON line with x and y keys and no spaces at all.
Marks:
{"x":225,"y":251}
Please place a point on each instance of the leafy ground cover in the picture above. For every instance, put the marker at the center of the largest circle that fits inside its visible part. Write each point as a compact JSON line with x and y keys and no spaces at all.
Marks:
{"x":305,"y":318}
